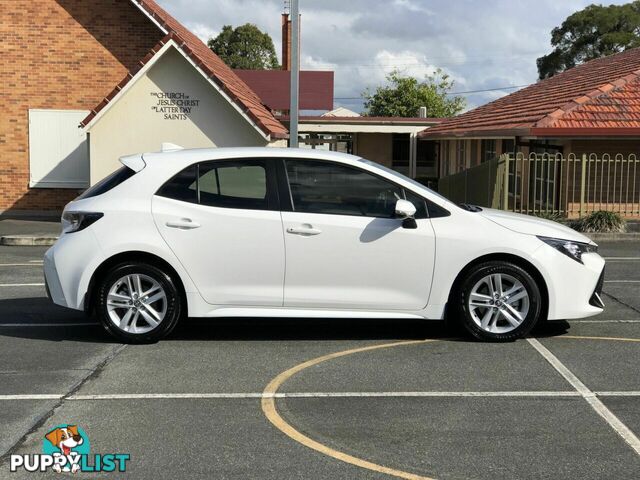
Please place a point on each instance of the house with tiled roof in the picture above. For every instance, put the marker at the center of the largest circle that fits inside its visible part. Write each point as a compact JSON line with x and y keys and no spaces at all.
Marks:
{"x":100,"y":79}
{"x":593,"y":108}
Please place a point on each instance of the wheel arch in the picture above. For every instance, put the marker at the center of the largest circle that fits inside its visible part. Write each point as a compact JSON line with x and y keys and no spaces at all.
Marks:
{"x":131,"y":256}
{"x":526,"y":265}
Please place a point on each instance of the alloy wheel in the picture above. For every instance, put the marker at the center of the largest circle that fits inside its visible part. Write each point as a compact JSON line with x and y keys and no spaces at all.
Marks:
{"x":498,"y":303}
{"x":136,"y":303}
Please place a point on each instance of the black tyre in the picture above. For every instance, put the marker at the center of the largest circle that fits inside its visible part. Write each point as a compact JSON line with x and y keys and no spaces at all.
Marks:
{"x":497,"y":301}
{"x":138,"y":303}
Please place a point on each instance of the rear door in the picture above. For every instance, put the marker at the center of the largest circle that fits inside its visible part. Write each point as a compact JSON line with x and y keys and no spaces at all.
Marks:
{"x":222,"y":221}
{"x":345,"y":248}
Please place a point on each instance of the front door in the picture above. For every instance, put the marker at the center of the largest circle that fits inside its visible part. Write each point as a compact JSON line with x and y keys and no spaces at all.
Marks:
{"x":222,"y":221}
{"x":344,"y":247}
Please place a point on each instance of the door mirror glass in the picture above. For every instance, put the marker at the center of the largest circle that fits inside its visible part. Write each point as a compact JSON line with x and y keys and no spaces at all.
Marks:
{"x":405,"y":209}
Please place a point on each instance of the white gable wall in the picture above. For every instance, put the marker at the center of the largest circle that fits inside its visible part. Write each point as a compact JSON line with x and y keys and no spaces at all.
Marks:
{"x":140,"y":120}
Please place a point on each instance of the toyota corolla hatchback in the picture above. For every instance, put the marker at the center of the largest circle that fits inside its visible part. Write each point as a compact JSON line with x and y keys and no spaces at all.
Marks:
{"x":267,"y":232}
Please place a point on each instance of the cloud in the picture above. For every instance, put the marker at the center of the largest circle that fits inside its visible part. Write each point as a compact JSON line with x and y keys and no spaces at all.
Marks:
{"x":481,"y":44}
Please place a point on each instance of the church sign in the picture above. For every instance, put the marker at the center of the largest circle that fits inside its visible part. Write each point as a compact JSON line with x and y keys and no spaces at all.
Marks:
{"x":174,"y":105}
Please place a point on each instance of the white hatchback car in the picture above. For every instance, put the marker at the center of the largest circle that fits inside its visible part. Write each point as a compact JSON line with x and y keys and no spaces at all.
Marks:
{"x":266,"y":232}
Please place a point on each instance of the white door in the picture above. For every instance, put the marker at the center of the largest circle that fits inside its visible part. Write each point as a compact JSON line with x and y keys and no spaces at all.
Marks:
{"x":221,"y":221}
{"x":345,"y":249}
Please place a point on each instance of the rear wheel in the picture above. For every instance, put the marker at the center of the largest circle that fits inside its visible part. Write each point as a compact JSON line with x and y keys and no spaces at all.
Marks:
{"x":138,"y":303}
{"x":498,"y":301}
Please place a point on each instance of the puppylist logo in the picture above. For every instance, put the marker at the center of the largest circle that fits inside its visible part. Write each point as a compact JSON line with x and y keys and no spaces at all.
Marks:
{"x":66,"y":448}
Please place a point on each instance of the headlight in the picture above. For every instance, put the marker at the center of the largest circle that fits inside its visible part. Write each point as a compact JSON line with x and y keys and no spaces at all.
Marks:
{"x":571,"y":249}
{"x":76,"y":221}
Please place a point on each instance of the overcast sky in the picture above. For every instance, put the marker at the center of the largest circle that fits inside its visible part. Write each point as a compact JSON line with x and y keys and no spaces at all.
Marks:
{"x":481,"y":44}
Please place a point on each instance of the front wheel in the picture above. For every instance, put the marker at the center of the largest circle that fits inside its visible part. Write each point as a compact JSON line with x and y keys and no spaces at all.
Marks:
{"x":498,"y":301}
{"x":138,"y":303}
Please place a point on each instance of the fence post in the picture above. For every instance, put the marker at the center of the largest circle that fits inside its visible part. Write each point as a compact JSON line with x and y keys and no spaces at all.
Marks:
{"x":583,"y":182}
{"x":505,"y":184}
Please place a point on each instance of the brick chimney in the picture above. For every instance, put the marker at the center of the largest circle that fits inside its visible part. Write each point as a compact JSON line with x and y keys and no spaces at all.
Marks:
{"x":286,"y":42}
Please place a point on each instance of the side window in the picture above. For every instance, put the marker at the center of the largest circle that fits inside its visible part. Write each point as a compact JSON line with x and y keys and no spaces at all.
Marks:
{"x":419,"y":202}
{"x":234,"y":185}
{"x":182,"y":186}
{"x":326,"y":187}
{"x":227,"y":184}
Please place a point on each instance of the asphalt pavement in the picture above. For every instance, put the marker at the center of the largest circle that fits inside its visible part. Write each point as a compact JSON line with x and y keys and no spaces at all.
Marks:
{"x":318,"y":398}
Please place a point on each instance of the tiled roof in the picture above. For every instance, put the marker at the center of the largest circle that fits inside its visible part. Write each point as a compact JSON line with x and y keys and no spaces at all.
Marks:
{"x":211,"y":64}
{"x":600,"y":96}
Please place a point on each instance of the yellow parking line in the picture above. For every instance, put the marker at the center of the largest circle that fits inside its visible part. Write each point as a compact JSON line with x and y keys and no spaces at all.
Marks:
{"x":618,"y":339}
{"x":270,"y":411}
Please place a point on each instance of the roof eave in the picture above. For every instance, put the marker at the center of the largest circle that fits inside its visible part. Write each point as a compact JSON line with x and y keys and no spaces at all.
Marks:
{"x":586,"y":132}
{"x":452,"y":134}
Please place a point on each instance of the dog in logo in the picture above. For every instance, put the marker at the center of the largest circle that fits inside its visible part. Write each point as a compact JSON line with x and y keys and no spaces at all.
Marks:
{"x":66,"y":439}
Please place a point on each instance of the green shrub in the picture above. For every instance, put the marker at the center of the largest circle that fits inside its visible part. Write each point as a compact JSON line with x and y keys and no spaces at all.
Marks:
{"x":600,"y":222}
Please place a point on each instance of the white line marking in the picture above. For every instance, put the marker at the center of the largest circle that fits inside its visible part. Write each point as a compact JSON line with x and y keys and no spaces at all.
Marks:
{"x":621,"y":258}
{"x":424,"y":394}
{"x":260,"y":395}
{"x":70,"y":324}
{"x":600,"y":408}
{"x":31,"y":397}
{"x":21,"y":284}
{"x":604,"y":321}
{"x":21,"y":264}
{"x":618,"y":394}
{"x":134,"y":396}
{"x":622,"y":281}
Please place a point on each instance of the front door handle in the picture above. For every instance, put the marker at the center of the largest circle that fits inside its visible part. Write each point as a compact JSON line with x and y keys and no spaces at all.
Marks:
{"x":183,"y":224}
{"x":305,"y":230}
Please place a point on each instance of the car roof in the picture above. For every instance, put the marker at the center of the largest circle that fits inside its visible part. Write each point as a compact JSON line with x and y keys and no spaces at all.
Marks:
{"x":189,"y":156}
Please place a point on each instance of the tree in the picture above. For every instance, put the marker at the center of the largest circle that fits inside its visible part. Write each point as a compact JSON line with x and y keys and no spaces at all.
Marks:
{"x":245,"y":47}
{"x":594,"y":32}
{"x":404,"y":96}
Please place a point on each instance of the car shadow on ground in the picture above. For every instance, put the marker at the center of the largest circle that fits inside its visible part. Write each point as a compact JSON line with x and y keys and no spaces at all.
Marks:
{"x":27,"y":316}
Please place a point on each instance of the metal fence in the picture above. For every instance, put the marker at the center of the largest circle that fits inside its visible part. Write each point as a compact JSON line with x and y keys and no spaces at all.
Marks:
{"x":546,"y":184}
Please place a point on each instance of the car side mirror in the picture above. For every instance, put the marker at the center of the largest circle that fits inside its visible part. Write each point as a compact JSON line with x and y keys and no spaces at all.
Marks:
{"x":406,"y":211}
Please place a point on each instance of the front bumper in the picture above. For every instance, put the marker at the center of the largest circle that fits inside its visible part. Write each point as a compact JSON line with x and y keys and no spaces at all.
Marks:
{"x":571,"y":285}
{"x":596,"y":298}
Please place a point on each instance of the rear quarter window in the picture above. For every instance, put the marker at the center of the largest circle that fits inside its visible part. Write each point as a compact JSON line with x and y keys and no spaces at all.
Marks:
{"x":108,"y":183}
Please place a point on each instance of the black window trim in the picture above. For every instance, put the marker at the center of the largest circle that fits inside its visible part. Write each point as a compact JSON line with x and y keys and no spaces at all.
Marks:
{"x":285,"y":189}
{"x":270,"y":164}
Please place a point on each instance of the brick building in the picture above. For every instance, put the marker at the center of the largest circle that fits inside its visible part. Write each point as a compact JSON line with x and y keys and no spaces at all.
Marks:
{"x":59,"y":54}
{"x":61,"y":60}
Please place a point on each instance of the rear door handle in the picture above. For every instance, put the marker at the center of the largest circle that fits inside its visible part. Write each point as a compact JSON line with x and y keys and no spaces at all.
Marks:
{"x":305,"y":230}
{"x":183,"y":224}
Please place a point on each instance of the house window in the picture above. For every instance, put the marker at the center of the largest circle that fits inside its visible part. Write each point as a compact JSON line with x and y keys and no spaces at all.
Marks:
{"x":488,"y":150}
{"x":508,"y":145}
{"x":401,"y":148}
{"x":461,"y":155}
{"x":426,"y":161}
{"x":58,"y":149}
